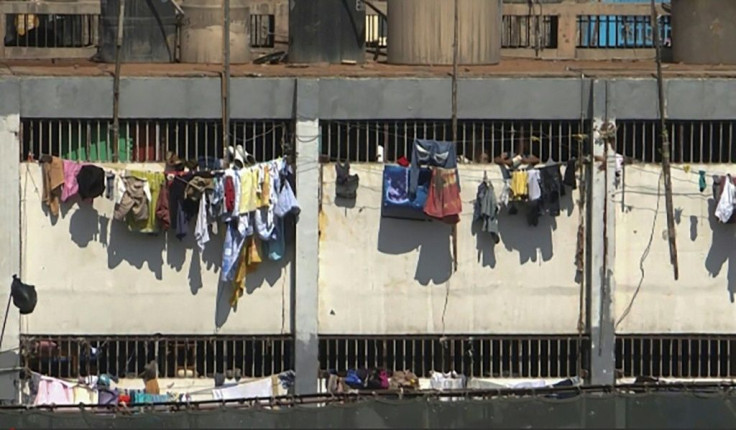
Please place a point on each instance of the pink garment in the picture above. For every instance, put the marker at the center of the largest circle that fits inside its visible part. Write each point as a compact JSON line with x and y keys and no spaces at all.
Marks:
{"x":54,"y":392}
{"x":70,"y":188}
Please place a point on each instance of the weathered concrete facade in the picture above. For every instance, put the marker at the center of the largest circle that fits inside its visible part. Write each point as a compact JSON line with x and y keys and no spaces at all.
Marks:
{"x":318,"y":287}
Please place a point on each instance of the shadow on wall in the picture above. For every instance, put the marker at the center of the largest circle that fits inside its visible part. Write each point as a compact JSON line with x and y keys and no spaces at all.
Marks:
{"x":399,"y":236}
{"x":86,"y":225}
{"x":721,"y":250}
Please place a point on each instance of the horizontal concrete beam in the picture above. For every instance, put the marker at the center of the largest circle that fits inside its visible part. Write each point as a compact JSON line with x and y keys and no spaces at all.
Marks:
{"x":372,"y":98}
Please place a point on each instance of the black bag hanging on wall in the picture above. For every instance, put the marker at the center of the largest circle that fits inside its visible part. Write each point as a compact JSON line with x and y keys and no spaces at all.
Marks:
{"x":24,"y":296}
{"x":346,"y":185}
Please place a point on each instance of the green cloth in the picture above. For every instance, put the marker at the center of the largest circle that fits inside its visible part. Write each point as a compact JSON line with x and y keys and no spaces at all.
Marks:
{"x":155,"y":182}
{"x":701,"y":181}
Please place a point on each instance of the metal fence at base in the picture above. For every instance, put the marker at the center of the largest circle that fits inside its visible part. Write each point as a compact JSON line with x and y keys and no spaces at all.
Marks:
{"x":681,"y":407}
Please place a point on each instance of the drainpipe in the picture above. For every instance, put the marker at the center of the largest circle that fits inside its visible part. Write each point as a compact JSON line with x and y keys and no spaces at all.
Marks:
{"x":226,"y":79}
{"x":116,"y":84}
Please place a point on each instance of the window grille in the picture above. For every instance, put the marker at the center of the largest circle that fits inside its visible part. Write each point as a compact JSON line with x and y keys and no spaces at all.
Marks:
{"x":620,"y":31}
{"x":143,"y":140}
{"x":262,"y":31}
{"x":683,"y":356}
{"x":692,"y":141}
{"x":177,"y":356}
{"x":51,"y":31}
{"x":529,"y":31}
{"x":478,"y":140}
{"x":480,"y":356}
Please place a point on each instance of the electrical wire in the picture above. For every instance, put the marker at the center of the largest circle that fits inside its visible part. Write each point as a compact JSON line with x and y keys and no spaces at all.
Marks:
{"x":644,"y":256}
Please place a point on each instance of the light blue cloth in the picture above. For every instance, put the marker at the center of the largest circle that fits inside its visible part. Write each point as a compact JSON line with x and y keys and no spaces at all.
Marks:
{"x":287,"y":202}
{"x":276,"y":245}
{"x":235,"y":234}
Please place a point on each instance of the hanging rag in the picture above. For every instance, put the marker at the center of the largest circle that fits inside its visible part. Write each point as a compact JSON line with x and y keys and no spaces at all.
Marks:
{"x":53,"y":181}
{"x":486,"y":210}
{"x":346,"y":185}
{"x":519,"y":185}
{"x":91,"y":181}
{"x":533,"y":187}
{"x":154,"y":181}
{"x":701,"y":180}
{"x":248,"y":261}
{"x":569,"y":178}
{"x":134,"y":201}
{"x":724,"y":210}
{"x":71,"y":186}
{"x":433,"y":154}
{"x":443,"y":201}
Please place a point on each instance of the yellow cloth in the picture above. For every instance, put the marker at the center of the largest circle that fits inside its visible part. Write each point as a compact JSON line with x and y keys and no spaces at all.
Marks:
{"x":248,"y":190}
{"x":248,"y":260}
{"x":519,"y":184}
{"x":155,"y":182}
{"x":25,"y":23}
{"x":84,"y":395}
{"x":264,"y":196}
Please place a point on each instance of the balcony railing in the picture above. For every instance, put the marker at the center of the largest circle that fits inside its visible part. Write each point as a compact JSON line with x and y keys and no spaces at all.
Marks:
{"x":41,"y":29}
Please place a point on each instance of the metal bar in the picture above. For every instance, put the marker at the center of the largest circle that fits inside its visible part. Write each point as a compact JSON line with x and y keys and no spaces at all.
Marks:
{"x":116,"y":83}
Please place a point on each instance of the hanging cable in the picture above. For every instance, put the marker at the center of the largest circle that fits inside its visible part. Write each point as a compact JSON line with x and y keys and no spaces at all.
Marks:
{"x":644,"y":256}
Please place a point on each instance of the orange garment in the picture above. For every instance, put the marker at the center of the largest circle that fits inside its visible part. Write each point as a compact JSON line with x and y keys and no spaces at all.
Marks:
{"x":264,"y":196}
{"x":152,"y":387}
{"x":248,"y":261}
{"x":53,"y":179}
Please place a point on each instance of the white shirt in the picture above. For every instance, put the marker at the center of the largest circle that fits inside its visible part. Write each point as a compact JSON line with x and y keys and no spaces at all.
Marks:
{"x":724,"y":210}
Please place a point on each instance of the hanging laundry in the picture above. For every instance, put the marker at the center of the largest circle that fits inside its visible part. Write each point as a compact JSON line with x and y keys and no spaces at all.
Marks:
{"x":287,"y":203}
{"x":71,"y":186}
{"x":109,"y":185}
{"x":134,"y":202}
{"x":201,"y":229}
{"x":263,"y":198}
{"x":261,"y":388}
{"x":486,"y":209}
{"x":52,"y":391}
{"x":248,"y":190}
{"x":53,"y":181}
{"x":569,"y":179}
{"x":181,"y":210}
{"x":153,"y":183}
{"x":519,"y":185}
{"x":533,"y":188}
{"x":433,"y":154}
{"x":163,"y":216}
{"x":443,"y":201}
{"x":346,"y":185}
{"x":91,"y":182}
{"x":250,"y":258}
{"x":724,"y":209}
{"x":552,"y":188}
{"x":234,"y":240}
{"x":274,"y":248}
{"x":701,"y":180}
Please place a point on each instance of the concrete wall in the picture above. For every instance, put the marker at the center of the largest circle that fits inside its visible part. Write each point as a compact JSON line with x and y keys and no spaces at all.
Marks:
{"x":702,"y":301}
{"x":94,"y":276}
{"x":371,"y":98}
{"x":380,"y":275}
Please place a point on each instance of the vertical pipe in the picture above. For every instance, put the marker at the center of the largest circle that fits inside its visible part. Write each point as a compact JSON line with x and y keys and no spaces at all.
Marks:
{"x":454,"y":117}
{"x":116,"y":84}
{"x":226,"y":78}
{"x":665,"y":146}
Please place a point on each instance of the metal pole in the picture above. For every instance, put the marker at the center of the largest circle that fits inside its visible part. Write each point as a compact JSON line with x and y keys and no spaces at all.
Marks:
{"x":454,"y":75}
{"x":226,"y":79}
{"x":454,"y":116}
{"x":665,"y":146}
{"x":5,"y":319}
{"x":116,"y":84}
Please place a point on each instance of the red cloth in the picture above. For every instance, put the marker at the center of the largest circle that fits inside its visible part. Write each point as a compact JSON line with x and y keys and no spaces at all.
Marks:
{"x":403,"y":162}
{"x":229,"y":194}
{"x":162,"y":206}
{"x":443,"y":199}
